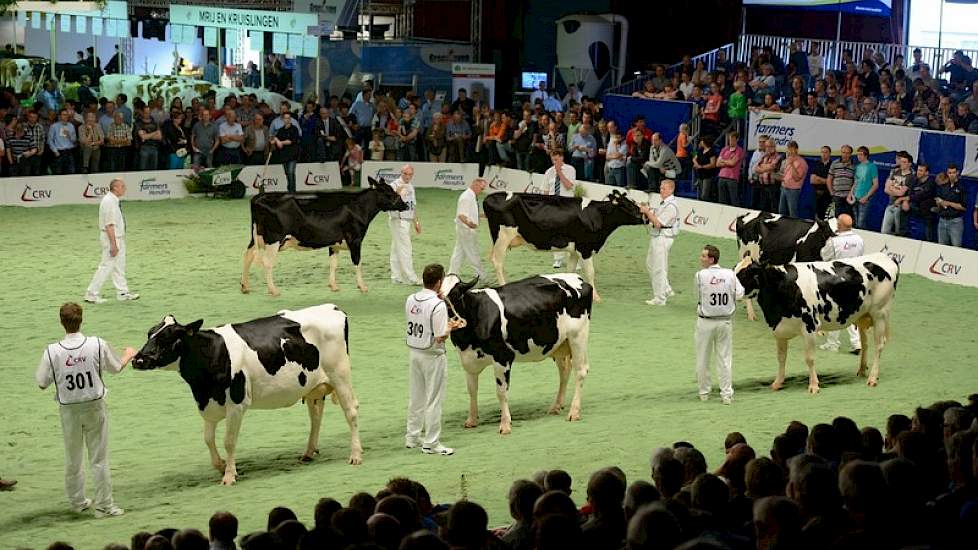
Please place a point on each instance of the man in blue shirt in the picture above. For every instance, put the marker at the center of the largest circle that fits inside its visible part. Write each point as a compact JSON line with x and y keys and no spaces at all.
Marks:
{"x":866,"y":183}
{"x":51,"y":96}
{"x":62,"y":139}
{"x":120,"y":105}
{"x":362,"y":112}
{"x":211,"y":72}
{"x":552,"y":105}
{"x":583,"y":148}
{"x":950,"y":207}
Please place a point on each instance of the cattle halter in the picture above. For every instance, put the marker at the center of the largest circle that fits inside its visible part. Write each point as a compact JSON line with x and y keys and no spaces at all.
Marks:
{"x":453,"y":315}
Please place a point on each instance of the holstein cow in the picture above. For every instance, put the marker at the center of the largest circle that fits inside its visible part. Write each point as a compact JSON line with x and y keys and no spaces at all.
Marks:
{"x":186,"y":88}
{"x":267,"y":363}
{"x":777,"y":240}
{"x":524,"y":321}
{"x":546,"y":222}
{"x":803,"y":298}
{"x":17,"y":74}
{"x":337,"y":220}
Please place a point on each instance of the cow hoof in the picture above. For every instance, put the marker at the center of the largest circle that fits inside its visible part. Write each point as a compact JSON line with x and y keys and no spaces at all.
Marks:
{"x":860,"y":373}
{"x":573,"y":417}
{"x":813,"y":389}
{"x":872,"y":382}
{"x":505,"y":430}
{"x":305,"y":459}
{"x":555,"y":409}
{"x":334,"y":288}
{"x":356,"y":460}
{"x":274,"y":292}
{"x":245,"y":289}
{"x":363,"y":289}
{"x":752,"y":317}
{"x":228,"y":479}
{"x":597,"y":297}
{"x":471,"y":423}
{"x":776,"y":386}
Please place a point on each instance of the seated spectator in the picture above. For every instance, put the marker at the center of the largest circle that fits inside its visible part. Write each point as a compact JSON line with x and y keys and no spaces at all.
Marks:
{"x":777,"y":523}
{"x":190,"y":539}
{"x":606,"y":527}
{"x":868,"y":111}
{"x":223,"y":529}
{"x":764,"y":82}
{"x":457,"y":136}
{"x":653,"y":527}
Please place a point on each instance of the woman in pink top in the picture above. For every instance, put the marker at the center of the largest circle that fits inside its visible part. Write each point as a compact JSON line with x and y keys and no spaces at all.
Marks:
{"x":795,"y":168}
{"x":730,"y":160}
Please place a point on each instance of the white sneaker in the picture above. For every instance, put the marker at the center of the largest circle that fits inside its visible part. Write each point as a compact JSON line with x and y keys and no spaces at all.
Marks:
{"x":828,"y":347}
{"x":438,"y":450}
{"x":704,"y":397}
{"x":726,"y":400}
{"x":655,"y":302}
{"x":111,"y":511}
{"x":412,"y":443}
{"x":397,"y":282}
{"x":128,"y":297}
{"x":94,"y":299}
{"x":670,"y":293}
{"x":557,"y":264}
{"x":85,"y":506}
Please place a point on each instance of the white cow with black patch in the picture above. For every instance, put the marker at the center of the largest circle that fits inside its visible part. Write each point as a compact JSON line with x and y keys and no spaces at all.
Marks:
{"x":267,"y":363}
{"x":520,"y":322}
{"x":186,"y":88}
{"x":805,"y":298}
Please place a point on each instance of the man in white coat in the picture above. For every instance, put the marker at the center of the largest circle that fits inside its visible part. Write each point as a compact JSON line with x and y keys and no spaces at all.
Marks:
{"x":467,"y":230}
{"x":427,"y":329}
{"x":400,"y":223}
{"x":718,"y":290}
{"x":845,"y":244}
{"x":112,"y":237}
{"x":559,"y":180}
{"x":75,"y":366}
{"x":663,"y":226}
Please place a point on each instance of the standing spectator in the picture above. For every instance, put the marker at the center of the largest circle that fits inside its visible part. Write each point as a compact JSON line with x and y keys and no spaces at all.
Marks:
{"x":662,"y":163}
{"x":286,"y":143}
{"x":75,"y":365}
{"x":819,"y":180}
{"x":466,"y":105}
{"x":540,"y":93}
{"x":51,"y":97}
{"x":897,"y":187}
{"x":573,"y":95}
{"x":799,"y":58}
{"x":840,"y":181}
{"x":119,"y":140}
{"x":523,"y":140}
{"x":686,"y":85}
{"x":363,"y":111}
{"x":91,"y":140}
{"x":730,"y":162}
{"x":175,"y":138}
{"x":351,"y":162}
{"x":408,"y":129}
{"x":120,"y":105}
{"x":682,"y":148}
{"x":211,"y":72}
{"x":328,"y":132}
{"x":711,"y":113}
{"x":231,"y":137}
{"x":377,"y":146}
{"x":400,"y":223}
{"x":467,"y":230}
{"x":583,"y":149}
{"x":920,"y":217}
{"x":638,"y":126}
{"x":615,"y":156}
{"x":35,"y":132}
{"x":148,"y":139}
{"x":718,"y":290}
{"x":107,"y":118}
{"x":638,"y":155}
{"x":816,"y":66}
{"x":435,"y":140}
{"x":20,"y":150}
{"x":659,"y":79}
{"x":665,"y":226}
{"x":864,"y":187}
{"x":737,"y":106}
{"x":62,"y":138}
{"x":705,"y":169}
{"x":950,"y":201}
{"x":257,"y":141}
{"x":768,"y":195}
{"x":457,"y":135}
{"x":794,"y":171}
{"x":204,"y":139}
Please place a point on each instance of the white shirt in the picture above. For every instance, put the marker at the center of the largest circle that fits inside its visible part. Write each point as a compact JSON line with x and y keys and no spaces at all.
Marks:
{"x":815,"y":65}
{"x":407,"y":194}
{"x":468,"y":206}
{"x":575,"y":96}
{"x":718,"y":289}
{"x":550,"y":176}
{"x":668,"y":214}
{"x":846,"y":244}
{"x":75,"y":366}
{"x":226,"y":129}
{"x":538,"y":94}
{"x":110,"y":213}
{"x":427,"y":318}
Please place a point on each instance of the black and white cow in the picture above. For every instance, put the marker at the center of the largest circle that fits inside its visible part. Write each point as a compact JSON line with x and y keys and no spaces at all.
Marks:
{"x":523,"y":321}
{"x":337,"y":220}
{"x":804,"y":298}
{"x":552,"y":223}
{"x":777,"y":240}
{"x":267,"y":363}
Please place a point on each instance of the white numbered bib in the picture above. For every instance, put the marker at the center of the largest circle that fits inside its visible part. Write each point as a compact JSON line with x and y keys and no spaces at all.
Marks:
{"x":77,"y":371}
{"x":718,"y":292}
{"x":420,"y":330}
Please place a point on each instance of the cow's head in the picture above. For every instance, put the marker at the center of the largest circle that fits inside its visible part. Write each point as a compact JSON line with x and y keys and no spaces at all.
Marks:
{"x":453,"y":291}
{"x":619,"y":209}
{"x":389,"y":200}
{"x":754,"y":275}
{"x":165,"y":344}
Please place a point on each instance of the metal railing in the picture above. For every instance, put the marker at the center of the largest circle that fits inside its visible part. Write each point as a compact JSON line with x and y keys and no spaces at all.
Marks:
{"x":709,"y":59}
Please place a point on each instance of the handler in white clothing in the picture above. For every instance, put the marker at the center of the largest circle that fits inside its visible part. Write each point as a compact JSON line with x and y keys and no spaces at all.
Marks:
{"x":427,"y":329}
{"x":845,"y":244}
{"x":402,"y":261}
{"x":718,"y":290}
{"x":112,"y":236}
{"x":664,"y":226}
{"x":560,"y":179}
{"x":467,"y":230}
{"x":74,"y":365}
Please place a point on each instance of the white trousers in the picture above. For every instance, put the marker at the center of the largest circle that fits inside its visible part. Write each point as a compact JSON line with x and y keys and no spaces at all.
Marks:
{"x":832,"y":337}
{"x":714,"y":335}
{"x":466,"y":251}
{"x":86,"y":425}
{"x":109,"y":265}
{"x":402,"y":264}
{"x":657,"y":263}
{"x":427,"y":380}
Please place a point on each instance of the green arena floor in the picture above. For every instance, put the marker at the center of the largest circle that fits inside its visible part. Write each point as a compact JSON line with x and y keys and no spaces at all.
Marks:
{"x":184,"y":258}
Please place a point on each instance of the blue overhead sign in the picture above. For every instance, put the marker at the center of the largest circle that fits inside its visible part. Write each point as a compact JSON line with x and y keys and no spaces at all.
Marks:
{"x":881,"y":8}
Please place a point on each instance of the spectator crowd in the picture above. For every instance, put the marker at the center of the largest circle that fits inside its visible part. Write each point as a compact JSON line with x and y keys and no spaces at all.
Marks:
{"x":913,"y":484}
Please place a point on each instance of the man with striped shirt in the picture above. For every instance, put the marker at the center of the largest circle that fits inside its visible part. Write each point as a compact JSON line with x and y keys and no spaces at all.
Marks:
{"x":842,"y":175}
{"x":20,"y":150}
